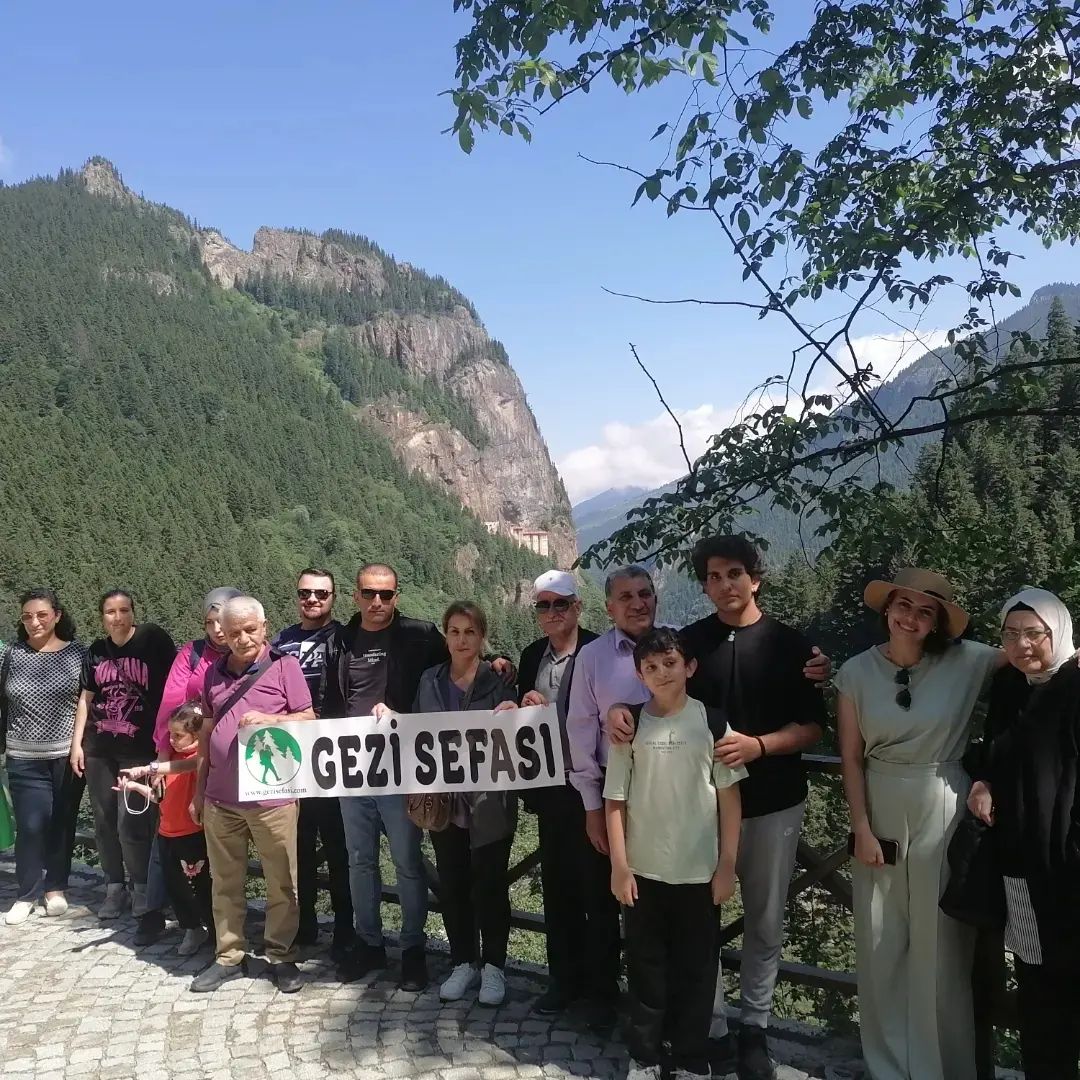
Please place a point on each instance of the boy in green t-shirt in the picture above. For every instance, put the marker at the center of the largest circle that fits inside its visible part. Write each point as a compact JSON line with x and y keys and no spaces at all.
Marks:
{"x":672,"y":860}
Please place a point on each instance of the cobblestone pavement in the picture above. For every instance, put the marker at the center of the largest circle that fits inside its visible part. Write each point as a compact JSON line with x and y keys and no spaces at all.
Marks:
{"x":78,"y":1000}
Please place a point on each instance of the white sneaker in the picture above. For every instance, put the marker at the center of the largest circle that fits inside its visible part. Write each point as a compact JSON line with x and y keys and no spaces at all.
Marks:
{"x":116,"y":903}
{"x":20,"y":911}
{"x":138,"y":900}
{"x":459,"y":982}
{"x":637,"y":1071}
{"x":56,"y":906}
{"x":492,"y":986}
{"x":193,"y":941}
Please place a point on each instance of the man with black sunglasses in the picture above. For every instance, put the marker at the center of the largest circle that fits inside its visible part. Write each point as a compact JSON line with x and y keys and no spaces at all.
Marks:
{"x":320,"y":819}
{"x":374,"y":663}
{"x":582,"y":951}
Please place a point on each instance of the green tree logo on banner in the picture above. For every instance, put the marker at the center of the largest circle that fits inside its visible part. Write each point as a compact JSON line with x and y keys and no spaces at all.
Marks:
{"x":273,"y":757}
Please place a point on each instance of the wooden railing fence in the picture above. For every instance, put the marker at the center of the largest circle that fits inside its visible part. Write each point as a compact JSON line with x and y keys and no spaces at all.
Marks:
{"x":821,"y":868}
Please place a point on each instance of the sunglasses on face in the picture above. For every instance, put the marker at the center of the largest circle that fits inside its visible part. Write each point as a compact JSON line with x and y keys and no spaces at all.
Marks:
{"x":385,"y":595}
{"x":319,"y":594}
{"x":903,"y":696}
{"x":544,"y":606}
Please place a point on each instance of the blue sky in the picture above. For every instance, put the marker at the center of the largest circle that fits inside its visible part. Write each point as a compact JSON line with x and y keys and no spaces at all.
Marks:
{"x":328,"y":114}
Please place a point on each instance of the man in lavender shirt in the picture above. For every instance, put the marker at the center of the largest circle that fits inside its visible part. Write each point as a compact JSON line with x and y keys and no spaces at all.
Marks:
{"x":604,"y":675}
{"x":274,"y":690}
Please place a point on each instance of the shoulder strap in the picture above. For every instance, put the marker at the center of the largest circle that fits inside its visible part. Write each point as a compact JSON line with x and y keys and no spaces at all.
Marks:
{"x":245,"y":685}
{"x":5,"y":670}
{"x":635,"y":712}
{"x":197,"y":650}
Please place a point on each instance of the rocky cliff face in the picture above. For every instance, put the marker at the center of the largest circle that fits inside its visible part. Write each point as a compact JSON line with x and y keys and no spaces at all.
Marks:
{"x":511,"y":482}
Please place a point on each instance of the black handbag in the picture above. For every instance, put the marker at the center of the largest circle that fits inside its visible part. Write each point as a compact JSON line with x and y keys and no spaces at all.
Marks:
{"x":975,"y":893}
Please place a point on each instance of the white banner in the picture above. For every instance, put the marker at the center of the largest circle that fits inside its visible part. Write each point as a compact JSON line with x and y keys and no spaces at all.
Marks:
{"x":412,"y":754}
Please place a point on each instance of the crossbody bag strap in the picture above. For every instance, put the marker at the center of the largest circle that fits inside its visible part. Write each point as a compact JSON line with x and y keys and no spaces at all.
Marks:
{"x":635,"y":712}
{"x":5,"y":670}
{"x":242,"y":688}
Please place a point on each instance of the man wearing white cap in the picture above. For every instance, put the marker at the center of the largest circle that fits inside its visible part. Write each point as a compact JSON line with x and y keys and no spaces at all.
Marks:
{"x":581,"y":914}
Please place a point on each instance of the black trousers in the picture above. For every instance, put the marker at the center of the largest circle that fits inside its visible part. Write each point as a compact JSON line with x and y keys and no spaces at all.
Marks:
{"x":320,"y":820}
{"x":581,"y":913}
{"x":1048,"y":1001}
{"x":671,"y":960}
{"x":474,"y":895}
{"x":187,"y":878}
{"x":45,"y":794}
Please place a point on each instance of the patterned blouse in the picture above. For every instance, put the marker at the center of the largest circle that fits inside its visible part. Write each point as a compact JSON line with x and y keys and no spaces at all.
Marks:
{"x":40,"y":692}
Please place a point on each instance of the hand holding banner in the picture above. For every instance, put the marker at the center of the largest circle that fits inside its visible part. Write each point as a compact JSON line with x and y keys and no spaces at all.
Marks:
{"x":402,"y":755}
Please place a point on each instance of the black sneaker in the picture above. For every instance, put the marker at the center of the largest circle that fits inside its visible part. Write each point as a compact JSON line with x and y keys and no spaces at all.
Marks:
{"x":553,"y":1001}
{"x":754,"y":1061}
{"x":344,"y":941}
{"x":151,"y":927}
{"x":287,"y":977}
{"x":216,"y":975}
{"x":601,"y":1014}
{"x":414,"y":972}
{"x":361,"y":961}
{"x":722,"y":1061}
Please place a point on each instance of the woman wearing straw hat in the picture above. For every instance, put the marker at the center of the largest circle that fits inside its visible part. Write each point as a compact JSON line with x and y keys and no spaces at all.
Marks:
{"x":904,"y":714}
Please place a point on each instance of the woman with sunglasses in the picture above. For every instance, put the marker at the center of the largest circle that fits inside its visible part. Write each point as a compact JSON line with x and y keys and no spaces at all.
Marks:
{"x":39,"y":688}
{"x":1030,"y":795}
{"x":904,"y":715}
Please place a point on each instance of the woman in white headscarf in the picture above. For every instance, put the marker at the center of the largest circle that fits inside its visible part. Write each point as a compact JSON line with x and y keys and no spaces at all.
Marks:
{"x":1030,"y":794}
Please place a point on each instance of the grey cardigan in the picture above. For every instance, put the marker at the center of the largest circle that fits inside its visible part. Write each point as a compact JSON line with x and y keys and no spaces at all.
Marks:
{"x":492,"y":814}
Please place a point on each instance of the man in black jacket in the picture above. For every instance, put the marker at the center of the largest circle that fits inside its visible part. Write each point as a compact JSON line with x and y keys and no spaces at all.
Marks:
{"x":374,"y":663}
{"x":580,"y":911}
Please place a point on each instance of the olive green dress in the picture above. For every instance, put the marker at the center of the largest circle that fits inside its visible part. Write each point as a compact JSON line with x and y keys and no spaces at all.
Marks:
{"x":913,"y":962}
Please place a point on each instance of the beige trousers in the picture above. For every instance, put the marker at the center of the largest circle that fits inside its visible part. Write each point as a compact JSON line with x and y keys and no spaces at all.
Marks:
{"x":913,"y":962}
{"x":273,"y":832}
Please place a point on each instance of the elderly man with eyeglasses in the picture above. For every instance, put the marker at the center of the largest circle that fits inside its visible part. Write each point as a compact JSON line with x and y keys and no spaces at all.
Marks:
{"x":581,"y":915}
{"x":373,"y":665}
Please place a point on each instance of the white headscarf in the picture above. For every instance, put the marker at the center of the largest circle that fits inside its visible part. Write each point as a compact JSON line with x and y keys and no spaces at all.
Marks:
{"x":1055,"y":615}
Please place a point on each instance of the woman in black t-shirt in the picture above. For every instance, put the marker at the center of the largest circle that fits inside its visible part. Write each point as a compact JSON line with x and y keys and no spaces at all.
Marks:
{"x":122,"y":680}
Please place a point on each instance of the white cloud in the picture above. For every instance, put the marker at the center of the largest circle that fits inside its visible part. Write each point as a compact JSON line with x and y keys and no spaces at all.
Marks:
{"x":645,"y":454}
{"x":648,"y":454}
{"x":891,"y":353}
{"x":5,"y":157}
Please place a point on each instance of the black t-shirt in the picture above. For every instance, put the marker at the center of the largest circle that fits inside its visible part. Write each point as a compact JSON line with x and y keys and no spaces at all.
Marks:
{"x":127,"y":682}
{"x":367,"y":670}
{"x":309,"y":648}
{"x":755,"y":675}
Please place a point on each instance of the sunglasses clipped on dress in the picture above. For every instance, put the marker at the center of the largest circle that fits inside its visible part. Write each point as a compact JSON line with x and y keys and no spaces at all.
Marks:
{"x":903,"y":696}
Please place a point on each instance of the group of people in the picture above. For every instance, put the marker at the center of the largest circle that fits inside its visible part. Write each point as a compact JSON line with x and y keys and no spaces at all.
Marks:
{"x":684,"y":774}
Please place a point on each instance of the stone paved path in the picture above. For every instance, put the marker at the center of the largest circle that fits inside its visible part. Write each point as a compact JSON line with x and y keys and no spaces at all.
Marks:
{"x":77,"y":1000}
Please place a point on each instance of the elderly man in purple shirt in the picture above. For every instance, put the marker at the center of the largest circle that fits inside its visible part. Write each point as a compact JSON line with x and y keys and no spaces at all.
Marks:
{"x":252,"y":685}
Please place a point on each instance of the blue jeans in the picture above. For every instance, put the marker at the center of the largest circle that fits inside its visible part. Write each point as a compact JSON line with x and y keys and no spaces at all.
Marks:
{"x":364,"y":817}
{"x":45,"y":795}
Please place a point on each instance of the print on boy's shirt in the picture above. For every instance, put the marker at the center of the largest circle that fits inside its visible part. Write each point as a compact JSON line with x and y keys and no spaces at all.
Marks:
{"x":122,"y":685}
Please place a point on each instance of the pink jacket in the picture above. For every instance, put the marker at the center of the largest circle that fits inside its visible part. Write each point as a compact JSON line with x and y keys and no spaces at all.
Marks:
{"x":183,"y":684}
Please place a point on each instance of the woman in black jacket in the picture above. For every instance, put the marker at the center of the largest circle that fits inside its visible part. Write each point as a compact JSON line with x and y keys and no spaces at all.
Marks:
{"x":1029,"y":793}
{"x":472,"y":853}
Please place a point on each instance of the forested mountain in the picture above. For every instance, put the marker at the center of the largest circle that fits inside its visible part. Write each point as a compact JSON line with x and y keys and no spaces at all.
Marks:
{"x":681,"y":598}
{"x":161,"y":432}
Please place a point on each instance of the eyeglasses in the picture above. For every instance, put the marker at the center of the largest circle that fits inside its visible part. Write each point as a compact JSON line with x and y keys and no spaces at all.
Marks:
{"x":903,"y":696}
{"x":543,"y":606}
{"x":385,"y":595}
{"x":319,"y":594}
{"x":1032,"y":635}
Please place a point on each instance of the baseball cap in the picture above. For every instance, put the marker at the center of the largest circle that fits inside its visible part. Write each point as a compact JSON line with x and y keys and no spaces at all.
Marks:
{"x":556,"y":581}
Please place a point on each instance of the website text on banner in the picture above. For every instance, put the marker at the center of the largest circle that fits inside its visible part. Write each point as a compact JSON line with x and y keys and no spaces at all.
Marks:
{"x":411,"y":755}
